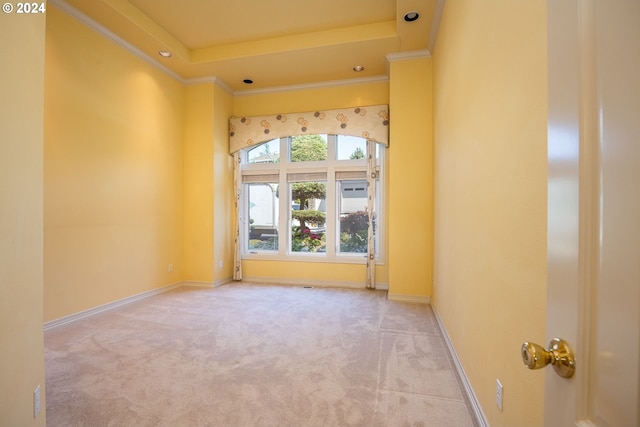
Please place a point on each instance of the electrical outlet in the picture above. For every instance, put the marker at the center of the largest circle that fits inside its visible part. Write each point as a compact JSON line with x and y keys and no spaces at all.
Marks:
{"x":499,"y":392}
{"x":219,"y":264}
{"x":170,"y":268}
{"x":36,"y":402}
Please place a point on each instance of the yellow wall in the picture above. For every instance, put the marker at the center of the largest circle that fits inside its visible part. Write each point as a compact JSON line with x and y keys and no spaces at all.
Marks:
{"x":300,"y":101}
{"x":137,"y":176}
{"x":198,"y":183}
{"x":490,"y":113}
{"x":113,"y":173}
{"x":308,"y":272}
{"x":322,"y":98}
{"x":223,"y":213}
{"x":21,"y":134}
{"x":208,"y":186}
{"x":411,"y":179}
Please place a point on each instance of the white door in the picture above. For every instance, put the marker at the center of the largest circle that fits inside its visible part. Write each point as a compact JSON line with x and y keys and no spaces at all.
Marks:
{"x":594,"y":210}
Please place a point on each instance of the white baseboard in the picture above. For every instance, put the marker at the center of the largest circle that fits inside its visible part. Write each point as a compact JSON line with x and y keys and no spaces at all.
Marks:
{"x":195,"y":284}
{"x":310,"y":282}
{"x":418,"y":299}
{"x":473,"y":399}
{"x":115,"y":304}
{"x":221,"y":282}
{"x":109,"y":306}
{"x":215,"y":284}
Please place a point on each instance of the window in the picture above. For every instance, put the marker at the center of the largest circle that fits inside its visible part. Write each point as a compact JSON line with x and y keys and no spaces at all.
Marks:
{"x":305,"y":198}
{"x":351,"y":148}
{"x":263,"y":215}
{"x":354,"y":219}
{"x":269,"y":152}
{"x":308,"y":216}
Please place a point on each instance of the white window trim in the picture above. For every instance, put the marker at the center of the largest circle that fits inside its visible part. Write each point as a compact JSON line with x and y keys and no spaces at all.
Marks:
{"x":330,"y":167}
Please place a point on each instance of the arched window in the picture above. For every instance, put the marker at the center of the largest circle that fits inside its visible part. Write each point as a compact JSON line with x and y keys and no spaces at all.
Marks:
{"x":307,"y":196}
{"x":300,"y":182}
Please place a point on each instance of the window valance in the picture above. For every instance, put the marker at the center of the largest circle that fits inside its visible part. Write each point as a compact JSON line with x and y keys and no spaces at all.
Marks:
{"x":371,"y":122}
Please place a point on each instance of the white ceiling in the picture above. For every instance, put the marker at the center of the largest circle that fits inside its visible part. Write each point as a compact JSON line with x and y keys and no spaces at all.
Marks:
{"x":272,"y":42}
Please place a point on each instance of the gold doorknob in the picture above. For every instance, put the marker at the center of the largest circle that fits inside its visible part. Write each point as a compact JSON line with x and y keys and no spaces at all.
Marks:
{"x":559,"y":355}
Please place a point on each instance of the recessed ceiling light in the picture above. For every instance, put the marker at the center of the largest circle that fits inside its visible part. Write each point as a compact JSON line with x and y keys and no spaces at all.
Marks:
{"x":164,"y":53}
{"x":411,"y":16}
{"x":247,"y":81}
{"x":358,"y":68}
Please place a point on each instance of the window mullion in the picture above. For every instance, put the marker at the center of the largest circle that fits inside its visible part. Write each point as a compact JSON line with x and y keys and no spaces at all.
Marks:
{"x":330,"y":235}
{"x":284,"y":205}
{"x":331,"y":222}
{"x":338,"y":173}
{"x":331,"y":147}
{"x":285,"y":153}
{"x":285,"y":197}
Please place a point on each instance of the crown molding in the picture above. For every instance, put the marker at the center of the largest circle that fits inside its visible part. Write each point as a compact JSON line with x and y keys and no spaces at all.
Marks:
{"x":84,"y":19}
{"x":81,"y":17}
{"x":319,"y":85}
{"x":209,"y":80}
{"x":408,"y":55}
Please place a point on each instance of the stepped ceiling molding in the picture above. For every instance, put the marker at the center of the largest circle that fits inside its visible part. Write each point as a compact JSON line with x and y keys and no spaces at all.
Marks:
{"x":274,"y":43}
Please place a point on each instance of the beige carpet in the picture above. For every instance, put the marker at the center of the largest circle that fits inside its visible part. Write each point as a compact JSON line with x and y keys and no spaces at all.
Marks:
{"x":249,"y":355}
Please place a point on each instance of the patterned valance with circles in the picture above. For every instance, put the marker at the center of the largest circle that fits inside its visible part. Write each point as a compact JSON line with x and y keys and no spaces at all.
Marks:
{"x":370,"y":122}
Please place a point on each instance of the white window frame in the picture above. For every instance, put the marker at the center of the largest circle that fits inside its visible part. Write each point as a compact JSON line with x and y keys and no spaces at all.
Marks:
{"x":330,"y":167}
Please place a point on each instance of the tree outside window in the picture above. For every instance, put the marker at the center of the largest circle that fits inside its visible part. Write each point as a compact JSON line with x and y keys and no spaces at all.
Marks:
{"x":308,"y":233}
{"x":297,"y":186}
